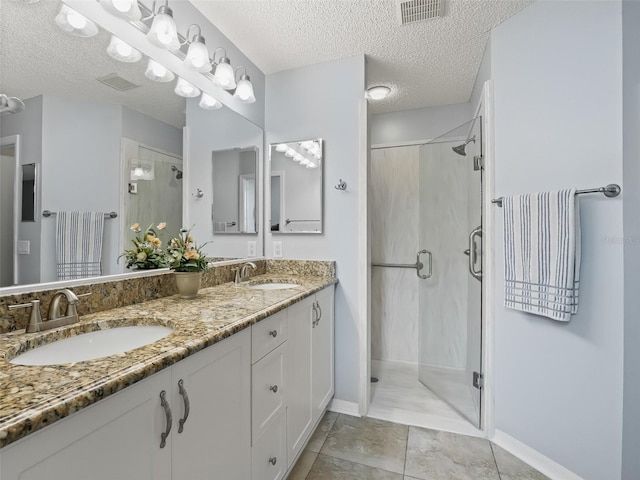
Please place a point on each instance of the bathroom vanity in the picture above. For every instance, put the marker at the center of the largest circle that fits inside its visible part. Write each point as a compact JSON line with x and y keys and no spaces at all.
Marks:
{"x":234,"y":392}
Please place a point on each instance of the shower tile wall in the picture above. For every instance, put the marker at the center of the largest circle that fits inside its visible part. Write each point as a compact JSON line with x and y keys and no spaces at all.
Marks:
{"x":394,"y":203}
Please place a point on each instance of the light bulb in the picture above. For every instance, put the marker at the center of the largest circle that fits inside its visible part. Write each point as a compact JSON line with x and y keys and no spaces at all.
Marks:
{"x":198,"y":56}
{"x":138,"y":171}
{"x":185,"y":89}
{"x":122,"y":51}
{"x":378,"y":92}
{"x":289,"y":153}
{"x":126,"y":9}
{"x":223,"y":75}
{"x":72,"y":22}
{"x":244,"y":90}
{"x":157,"y":72}
{"x":282,"y":147}
{"x":305,"y":162}
{"x":298,"y":158}
{"x":163,"y":32}
{"x":209,"y":103}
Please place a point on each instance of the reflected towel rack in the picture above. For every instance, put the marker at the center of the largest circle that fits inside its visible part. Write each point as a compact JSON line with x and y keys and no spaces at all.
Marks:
{"x":288,"y":221}
{"x":48,"y":213}
{"x":418,"y":265}
{"x":612,"y":190}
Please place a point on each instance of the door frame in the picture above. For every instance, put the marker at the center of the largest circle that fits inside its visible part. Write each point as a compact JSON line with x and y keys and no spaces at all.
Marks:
{"x":17,"y":180}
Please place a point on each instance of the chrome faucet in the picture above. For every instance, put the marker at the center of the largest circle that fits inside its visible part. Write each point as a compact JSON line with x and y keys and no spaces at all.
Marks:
{"x":55,"y":320}
{"x":242,"y":274}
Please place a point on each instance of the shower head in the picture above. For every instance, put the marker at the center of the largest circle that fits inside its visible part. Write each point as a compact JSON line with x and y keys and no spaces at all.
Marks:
{"x":460,"y":149}
{"x":178,"y":172}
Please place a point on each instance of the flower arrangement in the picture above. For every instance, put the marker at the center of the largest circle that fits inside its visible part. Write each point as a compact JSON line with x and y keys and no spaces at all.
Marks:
{"x":147,"y":253}
{"x":184,"y":255}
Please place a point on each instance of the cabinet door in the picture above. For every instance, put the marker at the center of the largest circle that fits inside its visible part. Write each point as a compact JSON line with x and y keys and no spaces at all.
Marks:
{"x":216,"y":438}
{"x":118,"y":437}
{"x":298,"y":395}
{"x":322,"y":385}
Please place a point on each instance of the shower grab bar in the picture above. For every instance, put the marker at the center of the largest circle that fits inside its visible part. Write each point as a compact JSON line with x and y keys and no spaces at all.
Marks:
{"x":418,"y":265}
{"x":48,"y":213}
{"x":612,"y":190}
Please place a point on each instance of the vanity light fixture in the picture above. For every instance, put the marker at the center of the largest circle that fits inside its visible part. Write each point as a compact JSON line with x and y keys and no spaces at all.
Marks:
{"x":122,"y":51}
{"x":185,"y":89}
{"x":223,"y":75}
{"x":163,"y":32}
{"x":126,"y":9}
{"x":198,"y":55}
{"x":378,"y":92}
{"x":10,"y":104}
{"x":72,"y":22}
{"x":244,"y":90}
{"x":158,"y":73}
{"x":209,"y":103}
{"x":290,"y":153}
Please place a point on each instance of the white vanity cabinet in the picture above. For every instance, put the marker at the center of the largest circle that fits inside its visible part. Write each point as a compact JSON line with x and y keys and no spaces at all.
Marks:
{"x":120,"y":436}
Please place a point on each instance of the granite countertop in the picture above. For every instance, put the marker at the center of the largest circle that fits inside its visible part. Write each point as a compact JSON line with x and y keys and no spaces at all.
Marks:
{"x":32,"y":397}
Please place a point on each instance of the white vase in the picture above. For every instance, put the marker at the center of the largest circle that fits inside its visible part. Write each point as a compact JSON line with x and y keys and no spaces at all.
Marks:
{"x":188,"y":283}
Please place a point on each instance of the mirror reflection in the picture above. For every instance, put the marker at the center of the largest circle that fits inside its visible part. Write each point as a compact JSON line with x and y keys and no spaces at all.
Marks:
{"x":234,"y":190}
{"x":296,"y":187}
{"x":96,"y":135}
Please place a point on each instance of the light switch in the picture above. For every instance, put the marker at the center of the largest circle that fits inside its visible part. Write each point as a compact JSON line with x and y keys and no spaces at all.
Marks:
{"x":251,"y":249}
{"x":23,"y":247}
{"x":277,"y":249}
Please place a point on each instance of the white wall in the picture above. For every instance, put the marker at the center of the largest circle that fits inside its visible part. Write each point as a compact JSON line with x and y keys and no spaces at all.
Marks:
{"x":418,"y":124}
{"x":208,"y":131}
{"x":323,"y":101}
{"x":28,"y":124}
{"x":631,"y":146}
{"x":80,"y":171}
{"x":557,"y":75}
{"x":151,"y":132}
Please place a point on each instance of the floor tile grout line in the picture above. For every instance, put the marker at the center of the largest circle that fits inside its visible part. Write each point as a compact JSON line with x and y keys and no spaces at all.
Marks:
{"x":495,"y":460}
{"x":356,"y":463}
{"x":406,"y":449}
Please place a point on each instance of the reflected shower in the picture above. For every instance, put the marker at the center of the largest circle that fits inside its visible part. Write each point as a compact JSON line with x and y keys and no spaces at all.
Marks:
{"x":178,"y":172}
{"x":460,"y":149}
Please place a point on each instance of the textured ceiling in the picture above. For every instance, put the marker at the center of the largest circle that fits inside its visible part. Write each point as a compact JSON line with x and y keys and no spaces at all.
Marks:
{"x":426,"y":64}
{"x":37,"y":57}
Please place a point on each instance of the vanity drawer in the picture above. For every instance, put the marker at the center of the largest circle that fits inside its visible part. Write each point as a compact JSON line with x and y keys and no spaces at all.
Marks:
{"x":269,"y":455}
{"x":268,"y":334}
{"x":267,"y":392}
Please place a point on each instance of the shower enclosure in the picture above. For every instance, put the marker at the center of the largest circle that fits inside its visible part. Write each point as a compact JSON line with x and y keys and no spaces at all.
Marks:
{"x":450,"y":309}
{"x":426,"y":204}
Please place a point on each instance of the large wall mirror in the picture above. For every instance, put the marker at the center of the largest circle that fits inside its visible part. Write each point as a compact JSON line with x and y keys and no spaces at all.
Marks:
{"x":296,"y":187}
{"x":100,"y":136}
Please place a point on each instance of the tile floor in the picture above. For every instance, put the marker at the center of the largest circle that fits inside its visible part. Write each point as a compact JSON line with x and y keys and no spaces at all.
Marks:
{"x":351,"y":448}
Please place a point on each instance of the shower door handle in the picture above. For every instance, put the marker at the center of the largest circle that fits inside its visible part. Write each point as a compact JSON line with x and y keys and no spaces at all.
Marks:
{"x":420,"y":265}
{"x":473,"y":257}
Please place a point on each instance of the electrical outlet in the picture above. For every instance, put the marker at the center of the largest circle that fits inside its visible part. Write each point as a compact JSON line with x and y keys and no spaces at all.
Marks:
{"x":277,"y":249}
{"x":23,"y":247}
{"x":251,"y":249}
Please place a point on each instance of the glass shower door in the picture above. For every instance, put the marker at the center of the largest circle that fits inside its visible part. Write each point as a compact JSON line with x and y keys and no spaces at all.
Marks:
{"x":450,"y":312}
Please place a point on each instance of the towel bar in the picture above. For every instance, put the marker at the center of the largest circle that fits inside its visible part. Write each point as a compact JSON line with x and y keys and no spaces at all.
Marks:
{"x":48,"y":213}
{"x":612,"y":190}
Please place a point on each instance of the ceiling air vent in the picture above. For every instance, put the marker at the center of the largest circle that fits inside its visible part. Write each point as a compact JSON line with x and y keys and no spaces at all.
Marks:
{"x":113,"y":80}
{"x":412,"y":11}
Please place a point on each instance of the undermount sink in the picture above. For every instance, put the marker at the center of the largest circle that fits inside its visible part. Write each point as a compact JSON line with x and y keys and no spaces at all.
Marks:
{"x":273,"y":286}
{"x":92,"y":345}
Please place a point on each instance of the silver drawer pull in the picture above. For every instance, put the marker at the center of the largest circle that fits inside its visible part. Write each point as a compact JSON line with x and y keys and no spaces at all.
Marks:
{"x":167,"y":413}
{"x":274,"y":388}
{"x":319,"y":313}
{"x":273,"y":460}
{"x":273,"y":333}
{"x":185,"y":398}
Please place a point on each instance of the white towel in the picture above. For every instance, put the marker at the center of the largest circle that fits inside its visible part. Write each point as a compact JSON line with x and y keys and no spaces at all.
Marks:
{"x":79,"y":244}
{"x":542,"y":253}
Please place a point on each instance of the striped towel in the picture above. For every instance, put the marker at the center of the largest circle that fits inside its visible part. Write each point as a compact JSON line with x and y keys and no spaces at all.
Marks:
{"x":79,"y":244}
{"x":542,"y":253}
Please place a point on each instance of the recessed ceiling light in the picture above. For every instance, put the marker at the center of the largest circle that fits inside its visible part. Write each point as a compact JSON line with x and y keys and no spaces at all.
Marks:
{"x":378,"y":92}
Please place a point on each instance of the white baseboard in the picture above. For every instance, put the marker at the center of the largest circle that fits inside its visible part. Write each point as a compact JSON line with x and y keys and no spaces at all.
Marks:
{"x":543,"y":464}
{"x":342,"y":406}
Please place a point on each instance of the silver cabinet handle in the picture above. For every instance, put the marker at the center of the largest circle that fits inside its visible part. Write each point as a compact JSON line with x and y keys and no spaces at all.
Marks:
{"x":273,"y":460}
{"x":274,"y":388}
{"x":319,"y":312}
{"x":315,"y":315}
{"x":167,"y":413}
{"x":273,"y":333}
{"x":185,"y":398}
{"x":420,"y":265}
{"x":473,"y":257}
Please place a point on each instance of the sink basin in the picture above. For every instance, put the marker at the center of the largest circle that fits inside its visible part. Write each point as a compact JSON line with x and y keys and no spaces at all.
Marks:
{"x":92,"y":345}
{"x":273,"y":286}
